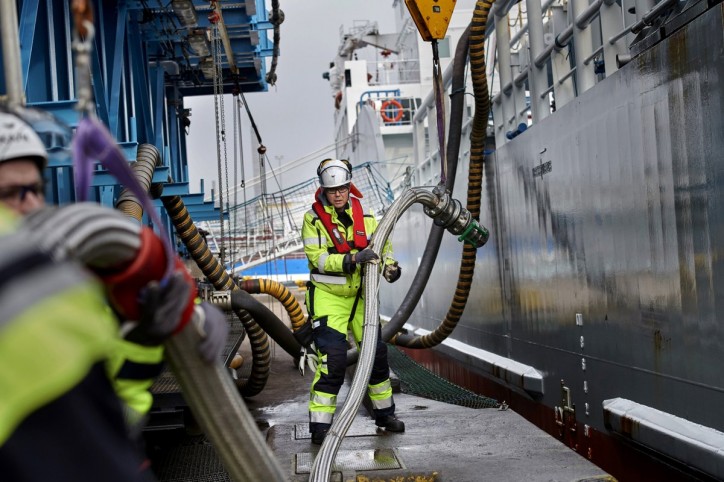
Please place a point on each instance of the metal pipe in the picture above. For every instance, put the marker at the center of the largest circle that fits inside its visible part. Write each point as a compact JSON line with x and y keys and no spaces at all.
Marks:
{"x":587,"y":16}
{"x":11,"y":54}
{"x":538,"y":76}
{"x":649,"y":16}
{"x":588,"y":59}
{"x":519,"y":34}
{"x":520,"y":78}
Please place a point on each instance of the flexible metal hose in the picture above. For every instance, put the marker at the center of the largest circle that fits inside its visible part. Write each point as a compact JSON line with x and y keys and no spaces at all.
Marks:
{"x":475,"y":176}
{"x":221,"y":412}
{"x":213,"y":270}
{"x":86,"y":232}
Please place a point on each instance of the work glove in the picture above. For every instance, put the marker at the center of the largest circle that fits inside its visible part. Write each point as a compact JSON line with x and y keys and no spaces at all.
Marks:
{"x":366,"y":256}
{"x":392,"y":272}
{"x":214,"y":329}
{"x":161,"y":307}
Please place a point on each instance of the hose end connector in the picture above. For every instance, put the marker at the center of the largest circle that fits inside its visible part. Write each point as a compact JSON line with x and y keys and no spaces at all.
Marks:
{"x":450,"y":214}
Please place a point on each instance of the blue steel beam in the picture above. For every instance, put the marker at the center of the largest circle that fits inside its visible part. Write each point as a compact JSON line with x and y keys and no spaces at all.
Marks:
{"x":105,"y":178}
{"x":114,"y":83}
{"x":26,"y":30}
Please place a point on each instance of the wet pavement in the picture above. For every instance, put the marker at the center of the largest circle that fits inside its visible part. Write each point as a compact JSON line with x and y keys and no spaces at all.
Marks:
{"x":442,"y":442}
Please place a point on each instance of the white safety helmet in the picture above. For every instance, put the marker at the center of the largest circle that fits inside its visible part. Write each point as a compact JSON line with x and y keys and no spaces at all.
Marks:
{"x":334,"y":173}
{"x":19,"y":141}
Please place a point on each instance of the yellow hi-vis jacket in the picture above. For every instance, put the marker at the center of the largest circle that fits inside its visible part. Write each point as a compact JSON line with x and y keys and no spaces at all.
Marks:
{"x":326,"y":265}
{"x":53,"y":327}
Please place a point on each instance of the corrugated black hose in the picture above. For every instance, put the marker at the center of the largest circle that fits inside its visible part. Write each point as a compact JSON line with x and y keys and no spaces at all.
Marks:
{"x":475,"y":177}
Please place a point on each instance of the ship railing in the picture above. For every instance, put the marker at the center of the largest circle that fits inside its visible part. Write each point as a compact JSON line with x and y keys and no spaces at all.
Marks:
{"x":574,"y":44}
{"x":390,"y":106}
{"x":394,"y":72}
{"x":268,"y":226}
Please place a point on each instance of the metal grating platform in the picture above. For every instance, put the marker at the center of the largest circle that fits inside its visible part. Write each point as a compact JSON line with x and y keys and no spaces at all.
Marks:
{"x":301,"y":431}
{"x":352,"y":460}
{"x":195,"y":462}
{"x":166,"y":382}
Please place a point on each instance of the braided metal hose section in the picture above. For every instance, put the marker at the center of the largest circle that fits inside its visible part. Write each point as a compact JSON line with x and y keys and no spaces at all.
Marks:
{"x":281,"y":293}
{"x":475,"y":178}
{"x":212,"y":269}
{"x":147,"y":158}
{"x":85,"y":232}
{"x":222,"y":414}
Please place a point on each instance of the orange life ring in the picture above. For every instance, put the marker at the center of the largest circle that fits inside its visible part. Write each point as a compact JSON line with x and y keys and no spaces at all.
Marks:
{"x":383,"y":110}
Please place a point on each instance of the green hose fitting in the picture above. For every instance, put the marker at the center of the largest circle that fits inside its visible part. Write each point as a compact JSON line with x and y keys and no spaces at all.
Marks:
{"x":474,"y":234}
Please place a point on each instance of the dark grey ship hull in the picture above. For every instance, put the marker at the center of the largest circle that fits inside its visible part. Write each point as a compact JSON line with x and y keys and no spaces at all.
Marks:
{"x":604,"y":272}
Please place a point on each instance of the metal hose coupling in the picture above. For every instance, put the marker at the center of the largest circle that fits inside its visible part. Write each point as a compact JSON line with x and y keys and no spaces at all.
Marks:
{"x":450,"y":214}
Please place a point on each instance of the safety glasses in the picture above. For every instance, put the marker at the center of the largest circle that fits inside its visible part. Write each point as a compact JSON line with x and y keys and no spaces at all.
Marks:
{"x":337,"y":190}
{"x":18,"y":192}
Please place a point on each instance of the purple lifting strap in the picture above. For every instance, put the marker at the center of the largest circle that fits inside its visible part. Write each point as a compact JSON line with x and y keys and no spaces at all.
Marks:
{"x":93,"y":141}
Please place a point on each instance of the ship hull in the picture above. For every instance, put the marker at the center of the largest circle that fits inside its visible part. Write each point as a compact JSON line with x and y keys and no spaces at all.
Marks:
{"x":604,"y":270}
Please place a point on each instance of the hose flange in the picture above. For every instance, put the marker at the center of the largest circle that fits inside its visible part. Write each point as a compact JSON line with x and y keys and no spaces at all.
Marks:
{"x":450,"y":214}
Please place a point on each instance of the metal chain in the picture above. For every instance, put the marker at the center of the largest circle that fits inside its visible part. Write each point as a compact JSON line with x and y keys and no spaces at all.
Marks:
{"x":216,"y":54}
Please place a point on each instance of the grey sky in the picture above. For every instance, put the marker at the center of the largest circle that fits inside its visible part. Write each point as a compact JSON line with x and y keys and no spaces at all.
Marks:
{"x":295,"y":117}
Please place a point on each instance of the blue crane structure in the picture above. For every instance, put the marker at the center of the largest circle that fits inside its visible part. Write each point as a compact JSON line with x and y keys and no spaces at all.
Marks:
{"x":146,"y":57}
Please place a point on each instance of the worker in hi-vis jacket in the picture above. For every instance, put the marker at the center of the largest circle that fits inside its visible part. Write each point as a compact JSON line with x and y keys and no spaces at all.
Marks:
{"x":63,"y":362}
{"x":336,"y":235}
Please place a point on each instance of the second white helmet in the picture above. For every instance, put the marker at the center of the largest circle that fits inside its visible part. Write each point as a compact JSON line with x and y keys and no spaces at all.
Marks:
{"x":334,"y":173}
{"x":19,"y":141}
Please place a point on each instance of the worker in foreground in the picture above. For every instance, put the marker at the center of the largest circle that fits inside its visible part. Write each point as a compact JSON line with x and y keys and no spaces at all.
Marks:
{"x":336,"y":235}
{"x":60,"y":343}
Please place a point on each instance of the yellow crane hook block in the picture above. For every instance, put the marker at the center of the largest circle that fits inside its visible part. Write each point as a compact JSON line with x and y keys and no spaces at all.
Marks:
{"x":431,"y":17}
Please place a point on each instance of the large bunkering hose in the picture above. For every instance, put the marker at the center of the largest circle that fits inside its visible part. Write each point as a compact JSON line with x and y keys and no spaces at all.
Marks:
{"x":475,"y":176}
{"x":434,"y":239}
{"x":91,"y":235}
{"x":457,"y":107}
{"x":213,"y":270}
{"x":281,"y":293}
{"x":270,"y":323}
{"x":212,"y":396}
{"x":147,"y":158}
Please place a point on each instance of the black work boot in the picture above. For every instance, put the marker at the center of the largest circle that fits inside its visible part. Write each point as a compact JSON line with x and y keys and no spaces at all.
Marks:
{"x":390,"y":423}
{"x":318,"y":436}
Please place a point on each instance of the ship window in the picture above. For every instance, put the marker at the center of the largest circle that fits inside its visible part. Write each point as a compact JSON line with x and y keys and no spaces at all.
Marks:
{"x":443,"y":47}
{"x":348,"y":77}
